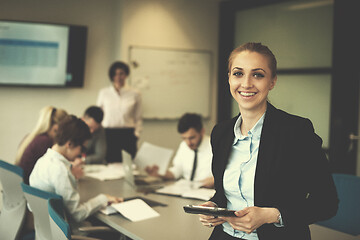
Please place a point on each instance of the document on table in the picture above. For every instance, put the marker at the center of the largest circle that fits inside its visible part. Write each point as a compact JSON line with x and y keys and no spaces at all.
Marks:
{"x":149,"y":155}
{"x":187,"y":189}
{"x":104,"y":172}
{"x":108,"y":210}
{"x":135,"y":210}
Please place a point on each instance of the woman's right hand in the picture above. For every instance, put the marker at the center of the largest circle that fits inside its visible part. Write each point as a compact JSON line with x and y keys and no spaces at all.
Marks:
{"x":210,"y":221}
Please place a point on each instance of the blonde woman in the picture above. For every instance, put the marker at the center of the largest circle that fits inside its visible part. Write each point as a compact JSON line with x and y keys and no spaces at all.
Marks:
{"x":39,"y":140}
{"x":268,"y":165}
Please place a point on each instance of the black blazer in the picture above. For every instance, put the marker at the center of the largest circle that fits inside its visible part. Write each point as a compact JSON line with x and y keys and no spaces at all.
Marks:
{"x":292,"y":173}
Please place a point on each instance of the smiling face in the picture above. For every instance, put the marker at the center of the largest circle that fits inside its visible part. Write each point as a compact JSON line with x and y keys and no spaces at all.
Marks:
{"x":250,"y":79}
{"x":119,"y":78}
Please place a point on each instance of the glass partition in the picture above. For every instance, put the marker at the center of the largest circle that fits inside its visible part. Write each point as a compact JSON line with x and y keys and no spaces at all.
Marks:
{"x":298,"y":32}
{"x":300,"y":35}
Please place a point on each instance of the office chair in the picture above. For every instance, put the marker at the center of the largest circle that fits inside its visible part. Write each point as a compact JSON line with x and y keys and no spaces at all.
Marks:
{"x":347,"y":218}
{"x":38,"y":205}
{"x":60,"y":229}
{"x":12,"y":214}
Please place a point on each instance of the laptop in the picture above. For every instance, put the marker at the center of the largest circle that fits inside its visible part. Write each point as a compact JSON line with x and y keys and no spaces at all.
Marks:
{"x":140,"y":182}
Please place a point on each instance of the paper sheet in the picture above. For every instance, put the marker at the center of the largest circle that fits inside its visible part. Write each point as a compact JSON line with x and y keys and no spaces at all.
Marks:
{"x":105,"y":172}
{"x":135,"y":210}
{"x":149,"y":155}
{"x":200,"y":193}
{"x":108,"y":210}
{"x":188,"y":189}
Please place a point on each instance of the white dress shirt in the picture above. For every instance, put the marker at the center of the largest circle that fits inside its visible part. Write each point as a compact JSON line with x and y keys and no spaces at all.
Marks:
{"x":52,"y":173}
{"x":121,"y":109}
{"x":184,"y":160}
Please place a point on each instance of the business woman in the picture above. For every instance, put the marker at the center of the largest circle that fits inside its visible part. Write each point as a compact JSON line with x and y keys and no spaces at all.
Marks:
{"x":268,"y":165}
{"x":122,"y":113}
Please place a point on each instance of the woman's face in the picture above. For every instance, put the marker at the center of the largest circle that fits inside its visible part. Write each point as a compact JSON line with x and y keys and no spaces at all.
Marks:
{"x":119,"y":78}
{"x":250,"y":80}
{"x":53,"y":131}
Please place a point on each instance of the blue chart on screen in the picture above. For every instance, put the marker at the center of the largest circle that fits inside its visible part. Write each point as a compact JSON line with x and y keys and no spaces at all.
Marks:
{"x":15,"y":52}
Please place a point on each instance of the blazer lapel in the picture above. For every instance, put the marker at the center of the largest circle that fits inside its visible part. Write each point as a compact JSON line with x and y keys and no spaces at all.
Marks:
{"x":224,"y":147}
{"x":266,"y":154}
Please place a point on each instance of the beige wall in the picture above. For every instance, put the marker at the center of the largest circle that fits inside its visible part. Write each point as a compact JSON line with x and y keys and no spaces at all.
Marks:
{"x":113,"y":25}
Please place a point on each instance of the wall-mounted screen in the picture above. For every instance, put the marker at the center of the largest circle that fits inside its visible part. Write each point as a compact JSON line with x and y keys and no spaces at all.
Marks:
{"x":42,"y":54}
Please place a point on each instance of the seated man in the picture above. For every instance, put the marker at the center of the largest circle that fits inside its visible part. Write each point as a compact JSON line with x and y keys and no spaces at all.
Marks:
{"x":96,"y":147}
{"x":52,"y":172}
{"x":193,"y":157}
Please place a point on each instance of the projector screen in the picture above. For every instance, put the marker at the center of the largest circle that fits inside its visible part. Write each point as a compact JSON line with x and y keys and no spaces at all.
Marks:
{"x":41,"y":54}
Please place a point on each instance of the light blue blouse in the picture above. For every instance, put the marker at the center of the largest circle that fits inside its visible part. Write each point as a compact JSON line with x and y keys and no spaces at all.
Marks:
{"x":239,"y":174}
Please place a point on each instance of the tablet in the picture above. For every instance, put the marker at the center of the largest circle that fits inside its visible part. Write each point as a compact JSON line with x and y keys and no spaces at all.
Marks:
{"x":213,"y":211}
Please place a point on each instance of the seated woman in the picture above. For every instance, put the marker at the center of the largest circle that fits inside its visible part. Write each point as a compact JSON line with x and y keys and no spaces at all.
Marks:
{"x":52,"y":172}
{"x":39,"y":140}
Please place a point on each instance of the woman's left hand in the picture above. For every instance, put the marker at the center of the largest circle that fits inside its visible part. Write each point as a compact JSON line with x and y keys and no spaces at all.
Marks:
{"x":251,"y":218}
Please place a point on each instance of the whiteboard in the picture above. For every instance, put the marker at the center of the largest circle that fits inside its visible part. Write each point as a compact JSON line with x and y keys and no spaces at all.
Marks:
{"x":171,"y":82}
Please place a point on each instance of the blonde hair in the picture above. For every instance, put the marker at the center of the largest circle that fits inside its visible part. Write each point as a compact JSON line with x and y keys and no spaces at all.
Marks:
{"x":48,"y":117}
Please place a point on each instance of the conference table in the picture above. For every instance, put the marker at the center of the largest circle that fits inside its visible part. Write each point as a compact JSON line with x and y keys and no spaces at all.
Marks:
{"x":172,"y":223}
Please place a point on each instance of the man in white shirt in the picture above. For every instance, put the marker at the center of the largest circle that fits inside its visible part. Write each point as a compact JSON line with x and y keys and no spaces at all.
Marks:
{"x":52,"y":172}
{"x":122,"y":113}
{"x":193,"y":157}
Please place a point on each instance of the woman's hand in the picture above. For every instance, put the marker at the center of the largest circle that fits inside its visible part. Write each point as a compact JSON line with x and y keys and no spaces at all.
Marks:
{"x":210,"y":221}
{"x":251,"y":218}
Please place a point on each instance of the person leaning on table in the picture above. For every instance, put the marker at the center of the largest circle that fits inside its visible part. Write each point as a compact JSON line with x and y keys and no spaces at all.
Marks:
{"x":36,"y":143}
{"x":268,"y":165}
{"x":193,"y":157}
{"x":96,"y":148}
{"x":52,"y":172}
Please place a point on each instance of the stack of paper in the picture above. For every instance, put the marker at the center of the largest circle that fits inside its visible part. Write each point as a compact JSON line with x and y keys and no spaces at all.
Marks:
{"x":149,"y":155}
{"x":200,"y":193}
{"x":135,"y":210}
{"x":105,"y":172}
{"x":187,"y":189}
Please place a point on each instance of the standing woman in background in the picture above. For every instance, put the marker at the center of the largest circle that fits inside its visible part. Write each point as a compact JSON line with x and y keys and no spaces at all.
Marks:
{"x":122,"y":113}
{"x":268,"y":165}
{"x":39,"y":140}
